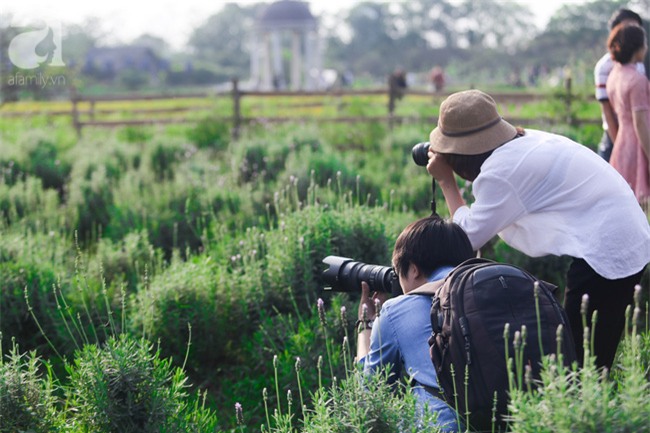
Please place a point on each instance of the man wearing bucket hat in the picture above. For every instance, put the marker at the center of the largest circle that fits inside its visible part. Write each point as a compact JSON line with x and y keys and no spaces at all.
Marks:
{"x":544,"y":194}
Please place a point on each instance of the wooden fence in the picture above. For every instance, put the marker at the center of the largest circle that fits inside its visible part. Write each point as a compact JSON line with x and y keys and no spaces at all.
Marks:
{"x":204,"y":102}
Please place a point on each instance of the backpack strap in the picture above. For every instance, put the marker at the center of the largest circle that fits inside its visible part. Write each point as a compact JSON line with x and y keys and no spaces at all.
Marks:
{"x":429,"y":289}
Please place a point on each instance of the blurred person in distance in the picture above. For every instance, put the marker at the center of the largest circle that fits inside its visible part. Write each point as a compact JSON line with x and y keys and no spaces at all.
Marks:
{"x":601,"y":73}
{"x":629,"y":95}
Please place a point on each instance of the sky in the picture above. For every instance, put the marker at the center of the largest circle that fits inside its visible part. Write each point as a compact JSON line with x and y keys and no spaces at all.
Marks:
{"x":172,"y":20}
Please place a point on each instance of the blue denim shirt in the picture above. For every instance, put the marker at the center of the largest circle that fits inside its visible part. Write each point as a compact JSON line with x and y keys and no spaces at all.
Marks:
{"x":400,"y":338}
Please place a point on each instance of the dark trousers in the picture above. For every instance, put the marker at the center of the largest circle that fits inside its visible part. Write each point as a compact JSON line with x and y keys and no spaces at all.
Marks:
{"x":609,"y":297}
{"x":605,"y":146}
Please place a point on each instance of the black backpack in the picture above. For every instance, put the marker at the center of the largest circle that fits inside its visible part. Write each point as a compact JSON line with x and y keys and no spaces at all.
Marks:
{"x":469,"y":311}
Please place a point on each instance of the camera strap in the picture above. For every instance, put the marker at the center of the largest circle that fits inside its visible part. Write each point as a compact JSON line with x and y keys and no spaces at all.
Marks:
{"x":433,"y":197}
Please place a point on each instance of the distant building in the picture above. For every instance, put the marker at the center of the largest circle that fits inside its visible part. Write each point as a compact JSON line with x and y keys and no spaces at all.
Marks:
{"x":286,"y":22}
{"x":109,"y":61}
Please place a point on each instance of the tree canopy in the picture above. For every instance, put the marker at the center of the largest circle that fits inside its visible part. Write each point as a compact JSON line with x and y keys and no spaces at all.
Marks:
{"x":374,"y":38}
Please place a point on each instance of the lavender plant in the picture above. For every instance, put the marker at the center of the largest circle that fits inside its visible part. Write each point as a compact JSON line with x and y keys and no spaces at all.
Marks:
{"x":125,"y":386}
{"x":27,"y":397}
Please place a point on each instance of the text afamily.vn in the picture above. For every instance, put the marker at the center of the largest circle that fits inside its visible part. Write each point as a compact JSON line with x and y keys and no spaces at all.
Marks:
{"x":39,"y":79}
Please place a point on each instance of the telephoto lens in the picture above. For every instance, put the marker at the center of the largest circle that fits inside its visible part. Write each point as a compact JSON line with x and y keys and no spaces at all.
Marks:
{"x":346,"y":275}
{"x":420,"y":152}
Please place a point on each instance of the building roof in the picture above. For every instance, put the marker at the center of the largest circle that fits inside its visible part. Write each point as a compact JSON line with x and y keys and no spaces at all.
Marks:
{"x":284,"y":14}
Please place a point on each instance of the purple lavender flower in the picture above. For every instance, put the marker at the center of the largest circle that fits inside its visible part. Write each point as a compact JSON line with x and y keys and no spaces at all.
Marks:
{"x":321,"y":311}
{"x":239,"y":414}
{"x":344,"y":317}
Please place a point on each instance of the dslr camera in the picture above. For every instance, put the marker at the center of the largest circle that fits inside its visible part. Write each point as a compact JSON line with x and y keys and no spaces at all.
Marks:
{"x":420,"y":152}
{"x":345,"y":275}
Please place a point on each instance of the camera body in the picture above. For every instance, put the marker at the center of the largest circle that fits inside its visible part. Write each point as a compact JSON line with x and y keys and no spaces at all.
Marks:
{"x":420,"y":152}
{"x":345,"y":275}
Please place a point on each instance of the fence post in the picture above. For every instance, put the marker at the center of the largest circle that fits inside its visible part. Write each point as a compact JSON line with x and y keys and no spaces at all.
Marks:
{"x":568,"y":97}
{"x":74,"y":98}
{"x":236,"y":109}
{"x":392,"y":96}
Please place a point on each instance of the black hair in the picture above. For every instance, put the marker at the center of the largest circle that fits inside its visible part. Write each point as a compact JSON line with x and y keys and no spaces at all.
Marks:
{"x":623,"y":15}
{"x":624,"y":41}
{"x":429,"y":243}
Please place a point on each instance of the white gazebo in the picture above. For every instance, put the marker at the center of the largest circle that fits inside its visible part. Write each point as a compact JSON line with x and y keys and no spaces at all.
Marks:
{"x":285,"y":22}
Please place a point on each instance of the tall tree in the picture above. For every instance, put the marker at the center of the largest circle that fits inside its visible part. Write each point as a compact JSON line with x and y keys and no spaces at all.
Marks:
{"x":575,"y":32}
{"x":221,"y":42}
{"x":78,"y":39}
{"x":493,"y":24}
{"x":158,"y":45}
{"x":370,"y":48}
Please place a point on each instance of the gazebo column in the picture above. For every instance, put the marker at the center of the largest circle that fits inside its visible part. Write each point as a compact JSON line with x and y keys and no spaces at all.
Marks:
{"x":255,"y":61}
{"x":278,"y":73}
{"x":318,"y":67}
{"x":311,"y":72}
{"x":267,"y":81}
{"x":296,"y":60}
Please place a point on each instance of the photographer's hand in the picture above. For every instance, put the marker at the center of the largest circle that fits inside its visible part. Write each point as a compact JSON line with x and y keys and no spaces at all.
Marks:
{"x":367,"y":314}
{"x":439,"y":168}
{"x":368,"y":299}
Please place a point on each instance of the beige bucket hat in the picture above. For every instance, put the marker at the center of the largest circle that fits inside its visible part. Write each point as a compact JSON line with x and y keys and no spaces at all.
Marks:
{"x":469,"y":124}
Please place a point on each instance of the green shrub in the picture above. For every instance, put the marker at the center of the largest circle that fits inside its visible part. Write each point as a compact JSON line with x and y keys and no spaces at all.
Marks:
{"x":164,"y":158}
{"x":192,"y":294}
{"x":27,"y":201}
{"x":36,"y":282}
{"x":126,"y":387}
{"x":586,"y":399}
{"x":262,"y":162}
{"x":210,"y":133}
{"x":327,"y":170}
{"x":180,"y":215}
{"x":283,"y":338}
{"x":303,"y":137}
{"x":177,"y":221}
{"x":134,"y":134}
{"x":358,"y":136}
{"x":44,"y":162}
{"x":112,"y":158}
{"x":42,"y":248}
{"x":27,"y":399}
{"x":128,"y":260}
{"x":90,"y":203}
{"x":177,"y":214}
{"x":285,"y":264}
{"x":11,"y":171}
{"x":361,"y":403}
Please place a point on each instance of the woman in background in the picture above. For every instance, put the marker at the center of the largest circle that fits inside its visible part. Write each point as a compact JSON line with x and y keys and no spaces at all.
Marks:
{"x":629,"y":94}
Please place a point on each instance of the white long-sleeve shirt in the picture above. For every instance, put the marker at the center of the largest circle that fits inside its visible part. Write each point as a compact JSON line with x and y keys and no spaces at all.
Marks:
{"x":546,"y":194}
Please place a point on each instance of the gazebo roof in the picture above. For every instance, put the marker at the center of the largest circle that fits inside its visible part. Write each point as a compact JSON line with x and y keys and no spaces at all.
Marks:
{"x":283,"y":14}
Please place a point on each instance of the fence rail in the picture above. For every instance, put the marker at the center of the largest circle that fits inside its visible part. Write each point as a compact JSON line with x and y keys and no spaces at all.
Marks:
{"x":85,"y":113}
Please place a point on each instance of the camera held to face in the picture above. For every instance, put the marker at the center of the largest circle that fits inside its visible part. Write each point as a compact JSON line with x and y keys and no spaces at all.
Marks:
{"x":420,"y":153}
{"x":345,"y":275}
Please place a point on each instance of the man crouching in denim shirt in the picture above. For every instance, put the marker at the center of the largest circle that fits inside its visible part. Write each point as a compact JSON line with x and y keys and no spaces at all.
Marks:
{"x":426,"y":250}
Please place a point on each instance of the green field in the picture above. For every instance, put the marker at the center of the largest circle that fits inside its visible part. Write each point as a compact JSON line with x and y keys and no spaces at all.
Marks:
{"x":169,"y":273}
